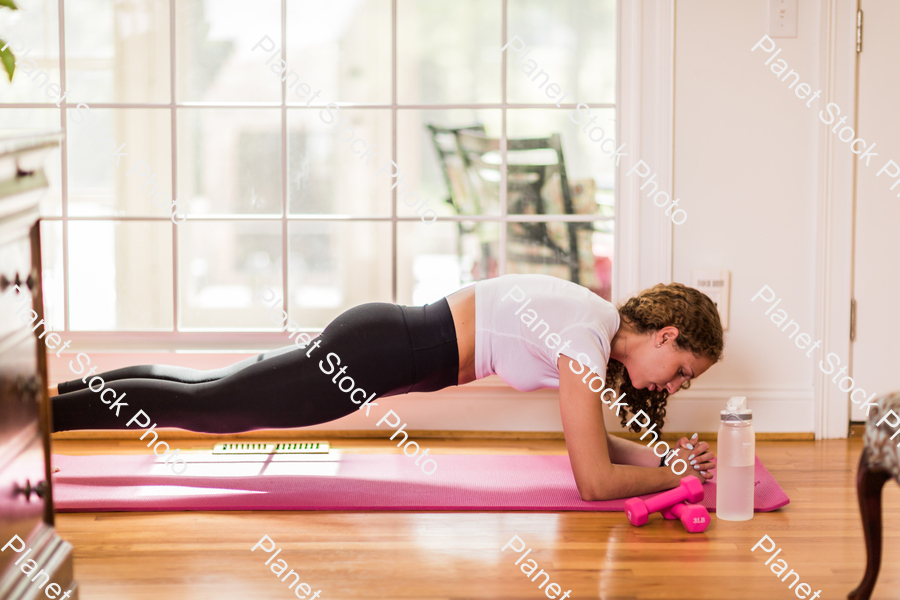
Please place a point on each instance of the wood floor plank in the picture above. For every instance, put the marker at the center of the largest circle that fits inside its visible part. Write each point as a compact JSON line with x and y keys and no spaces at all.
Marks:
{"x":456,"y":555}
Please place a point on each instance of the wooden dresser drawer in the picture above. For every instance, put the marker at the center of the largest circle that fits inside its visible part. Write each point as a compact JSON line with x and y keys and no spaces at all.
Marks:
{"x":21,"y":487}
{"x":15,"y":269}
{"x":20,"y":389}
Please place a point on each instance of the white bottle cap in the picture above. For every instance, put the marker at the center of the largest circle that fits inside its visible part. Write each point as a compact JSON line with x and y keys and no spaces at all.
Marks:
{"x":736,"y":408}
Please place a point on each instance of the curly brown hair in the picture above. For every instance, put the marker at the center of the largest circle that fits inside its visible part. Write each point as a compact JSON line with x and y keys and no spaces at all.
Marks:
{"x":699,"y":331}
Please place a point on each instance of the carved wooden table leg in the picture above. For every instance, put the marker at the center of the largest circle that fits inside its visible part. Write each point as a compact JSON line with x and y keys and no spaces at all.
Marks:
{"x":869,"y":484}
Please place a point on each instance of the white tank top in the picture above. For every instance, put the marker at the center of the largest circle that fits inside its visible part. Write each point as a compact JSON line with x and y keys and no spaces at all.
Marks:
{"x":524,"y":322}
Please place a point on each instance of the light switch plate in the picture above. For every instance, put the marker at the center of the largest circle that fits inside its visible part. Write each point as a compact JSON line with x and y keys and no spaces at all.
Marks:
{"x":782,"y":19}
{"x":715,"y":284}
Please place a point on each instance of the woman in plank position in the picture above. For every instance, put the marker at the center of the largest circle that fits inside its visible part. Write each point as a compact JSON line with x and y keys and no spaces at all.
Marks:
{"x":533,"y":331}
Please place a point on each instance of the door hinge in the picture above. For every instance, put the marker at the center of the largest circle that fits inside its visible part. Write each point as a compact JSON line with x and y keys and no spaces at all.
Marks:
{"x":859,"y":17}
{"x":852,"y":320}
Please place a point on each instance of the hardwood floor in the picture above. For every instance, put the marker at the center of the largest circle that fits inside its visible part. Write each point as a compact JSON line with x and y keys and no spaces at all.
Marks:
{"x":206,"y":555}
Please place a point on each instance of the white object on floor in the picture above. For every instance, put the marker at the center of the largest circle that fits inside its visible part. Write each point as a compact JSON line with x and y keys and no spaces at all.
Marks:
{"x":273,"y":448}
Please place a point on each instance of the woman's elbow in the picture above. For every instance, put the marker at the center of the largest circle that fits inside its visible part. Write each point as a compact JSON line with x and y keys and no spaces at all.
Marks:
{"x":591,"y":496}
{"x":587,"y":495}
{"x":594,"y":491}
{"x":597,"y":495}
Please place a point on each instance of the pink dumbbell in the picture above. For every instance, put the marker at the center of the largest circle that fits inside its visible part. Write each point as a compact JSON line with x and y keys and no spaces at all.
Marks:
{"x":694,"y":517}
{"x":638,"y":510}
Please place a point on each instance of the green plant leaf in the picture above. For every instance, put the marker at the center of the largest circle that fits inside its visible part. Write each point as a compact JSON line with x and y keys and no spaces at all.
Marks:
{"x":8,"y":59}
{"x":9,"y":4}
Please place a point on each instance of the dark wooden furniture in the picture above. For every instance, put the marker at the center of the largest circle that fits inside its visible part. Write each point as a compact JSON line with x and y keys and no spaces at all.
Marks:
{"x":879,"y":463}
{"x":26,"y":494}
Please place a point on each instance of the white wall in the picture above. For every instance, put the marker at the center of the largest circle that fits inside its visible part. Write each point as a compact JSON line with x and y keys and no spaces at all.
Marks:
{"x":745,"y":168}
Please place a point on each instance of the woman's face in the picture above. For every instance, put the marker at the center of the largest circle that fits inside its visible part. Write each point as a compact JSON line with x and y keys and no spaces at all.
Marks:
{"x":666,"y":367}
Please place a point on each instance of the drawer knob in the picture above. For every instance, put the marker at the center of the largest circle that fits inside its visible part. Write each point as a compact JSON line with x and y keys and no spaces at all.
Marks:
{"x":29,"y":388}
{"x":4,"y":283}
{"x":38,"y":490}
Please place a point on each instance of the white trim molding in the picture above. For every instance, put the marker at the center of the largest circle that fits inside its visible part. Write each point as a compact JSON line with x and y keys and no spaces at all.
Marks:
{"x":646,"y":45}
{"x":775,"y":409}
{"x":834,"y":215}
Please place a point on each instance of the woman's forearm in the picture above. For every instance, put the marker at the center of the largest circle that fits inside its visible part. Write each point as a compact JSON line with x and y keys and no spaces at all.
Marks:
{"x":626,"y":452}
{"x":627,"y":481}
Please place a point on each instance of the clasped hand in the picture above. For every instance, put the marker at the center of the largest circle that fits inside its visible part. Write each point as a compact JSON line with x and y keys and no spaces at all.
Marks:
{"x":698,"y":456}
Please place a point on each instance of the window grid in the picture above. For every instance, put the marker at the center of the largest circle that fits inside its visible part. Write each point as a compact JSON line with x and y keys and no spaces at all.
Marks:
{"x":64,"y":166}
{"x":285,"y":218}
{"x":503,"y":174}
{"x":173,"y":116}
{"x":394,"y":147}
{"x":284,"y":163}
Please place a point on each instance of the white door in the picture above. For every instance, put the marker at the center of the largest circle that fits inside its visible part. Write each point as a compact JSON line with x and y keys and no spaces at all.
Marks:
{"x":876,"y":349}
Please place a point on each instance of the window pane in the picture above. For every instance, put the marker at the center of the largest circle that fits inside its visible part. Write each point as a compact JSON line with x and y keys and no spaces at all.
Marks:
{"x":590,"y":172}
{"x":437,"y":259}
{"x":120,"y":276}
{"x":117,"y":51}
{"x":33,"y":35}
{"x":229,"y":160}
{"x":336,"y":266}
{"x":141,"y":183}
{"x":27,"y":121}
{"x":438,"y":176}
{"x":572,"y":41}
{"x":603,"y":246}
{"x":327,"y":174}
{"x":52,"y":271}
{"x":572,"y":251}
{"x":341,"y":48}
{"x":448,"y":51}
{"x":214,"y":51}
{"x":51,"y":201}
{"x":221,"y":265}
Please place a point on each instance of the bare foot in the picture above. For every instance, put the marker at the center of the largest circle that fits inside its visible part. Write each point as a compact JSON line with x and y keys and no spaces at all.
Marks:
{"x":53,"y":390}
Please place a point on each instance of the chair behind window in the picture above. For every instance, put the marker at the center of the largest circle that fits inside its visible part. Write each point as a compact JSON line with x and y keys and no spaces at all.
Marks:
{"x":529,"y":243}
{"x":462,"y":196}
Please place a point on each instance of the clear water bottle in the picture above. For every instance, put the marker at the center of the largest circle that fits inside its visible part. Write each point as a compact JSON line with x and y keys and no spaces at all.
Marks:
{"x":735,"y":462}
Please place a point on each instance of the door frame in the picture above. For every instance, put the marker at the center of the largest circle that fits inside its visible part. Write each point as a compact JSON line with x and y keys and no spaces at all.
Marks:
{"x":645,"y":121}
{"x":835,"y":200}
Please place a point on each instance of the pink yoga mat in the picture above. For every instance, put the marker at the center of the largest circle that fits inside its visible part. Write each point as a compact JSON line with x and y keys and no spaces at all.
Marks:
{"x":338,"y":482}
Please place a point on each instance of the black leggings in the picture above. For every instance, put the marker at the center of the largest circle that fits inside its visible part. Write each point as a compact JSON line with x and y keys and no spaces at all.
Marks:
{"x":385,"y":349}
